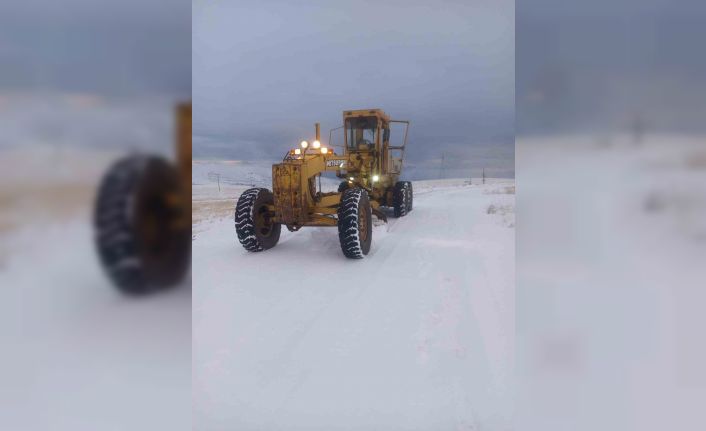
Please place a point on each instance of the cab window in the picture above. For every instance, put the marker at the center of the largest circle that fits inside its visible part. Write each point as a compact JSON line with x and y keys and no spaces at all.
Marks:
{"x":360,"y":132}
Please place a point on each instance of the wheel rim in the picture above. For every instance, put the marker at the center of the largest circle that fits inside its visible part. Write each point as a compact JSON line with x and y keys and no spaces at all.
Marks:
{"x":155,"y":218}
{"x":263,"y":221}
{"x":363,"y":225}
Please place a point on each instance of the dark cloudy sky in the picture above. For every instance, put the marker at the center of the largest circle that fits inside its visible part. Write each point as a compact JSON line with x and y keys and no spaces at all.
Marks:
{"x":264,"y":72}
{"x":131,"y":48}
{"x":603,"y":64}
{"x":93,"y":74}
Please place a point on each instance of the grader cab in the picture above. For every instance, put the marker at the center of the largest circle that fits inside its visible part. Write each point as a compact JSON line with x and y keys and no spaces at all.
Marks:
{"x":369,"y":166}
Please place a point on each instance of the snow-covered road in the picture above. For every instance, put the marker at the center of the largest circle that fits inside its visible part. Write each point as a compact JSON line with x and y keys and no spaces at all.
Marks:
{"x":418,"y":335}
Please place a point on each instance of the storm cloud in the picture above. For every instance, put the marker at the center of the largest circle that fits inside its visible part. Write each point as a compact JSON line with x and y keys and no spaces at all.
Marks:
{"x":127,"y":48}
{"x":607,"y":65}
{"x":264,"y":72}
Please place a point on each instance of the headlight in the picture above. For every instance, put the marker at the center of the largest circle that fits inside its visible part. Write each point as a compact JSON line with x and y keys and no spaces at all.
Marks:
{"x":375,"y":178}
{"x":304,"y":144}
{"x":324,"y":150}
{"x":316,"y":144}
{"x":351,"y":178}
{"x":297,"y":151}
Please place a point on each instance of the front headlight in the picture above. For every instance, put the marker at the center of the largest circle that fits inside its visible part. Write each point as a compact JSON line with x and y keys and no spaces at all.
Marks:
{"x":316,"y":144}
{"x":324,"y":150}
{"x":375,"y":178}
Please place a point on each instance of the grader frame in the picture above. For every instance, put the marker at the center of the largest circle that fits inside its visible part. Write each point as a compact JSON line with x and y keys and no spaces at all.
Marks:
{"x":296,"y":201}
{"x":370,"y":176}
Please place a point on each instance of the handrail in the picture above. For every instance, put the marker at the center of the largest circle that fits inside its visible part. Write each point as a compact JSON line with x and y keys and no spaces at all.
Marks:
{"x":330,"y":137}
{"x":406,"y":129}
{"x":404,"y":142}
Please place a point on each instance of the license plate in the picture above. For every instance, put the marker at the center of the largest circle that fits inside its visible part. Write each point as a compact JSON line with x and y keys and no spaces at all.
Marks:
{"x":335,"y":163}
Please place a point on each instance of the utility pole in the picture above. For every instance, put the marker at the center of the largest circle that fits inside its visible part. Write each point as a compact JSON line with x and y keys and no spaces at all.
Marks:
{"x":483,"y":175}
{"x":441,"y":168}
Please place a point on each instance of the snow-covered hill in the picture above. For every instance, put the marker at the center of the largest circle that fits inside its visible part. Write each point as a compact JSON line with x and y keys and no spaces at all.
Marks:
{"x":418,"y":335}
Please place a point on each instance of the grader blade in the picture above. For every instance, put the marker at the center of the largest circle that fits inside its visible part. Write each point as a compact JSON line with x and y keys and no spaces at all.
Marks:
{"x":379,"y":214}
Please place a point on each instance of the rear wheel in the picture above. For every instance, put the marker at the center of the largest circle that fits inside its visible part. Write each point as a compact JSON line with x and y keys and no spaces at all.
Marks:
{"x":142,"y":224}
{"x":400,"y":196}
{"x":355,"y":229}
{"x":410,"y":196}
{"x":253,"y":220}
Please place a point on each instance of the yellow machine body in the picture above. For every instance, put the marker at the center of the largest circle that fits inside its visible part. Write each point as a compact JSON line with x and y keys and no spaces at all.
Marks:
{"x":183,"y":145}
{"x":367,"y":160}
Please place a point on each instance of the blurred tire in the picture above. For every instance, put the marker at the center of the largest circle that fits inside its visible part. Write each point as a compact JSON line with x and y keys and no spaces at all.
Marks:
{"x":142,"y":225}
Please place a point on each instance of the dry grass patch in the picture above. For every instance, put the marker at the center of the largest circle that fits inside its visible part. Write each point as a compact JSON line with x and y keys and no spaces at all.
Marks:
{"x":508,"y":190}
{"x":208,"y":210}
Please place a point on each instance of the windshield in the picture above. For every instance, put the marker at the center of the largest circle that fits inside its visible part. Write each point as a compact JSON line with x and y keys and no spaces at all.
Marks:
{"x":361,"y":132}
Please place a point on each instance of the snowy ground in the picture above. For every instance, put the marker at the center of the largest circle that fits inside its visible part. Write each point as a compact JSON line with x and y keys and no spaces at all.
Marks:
{"x":610,"y":282}
{"x":76,"y":354}
{"x":418,"y":335}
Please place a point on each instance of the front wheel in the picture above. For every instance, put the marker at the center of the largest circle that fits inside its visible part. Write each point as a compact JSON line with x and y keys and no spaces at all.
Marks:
{"x":253,"y":220}
{"x":355,"y":229}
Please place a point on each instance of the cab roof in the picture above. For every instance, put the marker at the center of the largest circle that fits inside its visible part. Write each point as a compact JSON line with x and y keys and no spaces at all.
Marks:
{"x":365,"y":113}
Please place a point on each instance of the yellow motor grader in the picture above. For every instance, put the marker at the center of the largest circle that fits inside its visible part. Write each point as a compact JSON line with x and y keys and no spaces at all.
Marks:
{"x":370,"y":168}
{"x":142,"y":216}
